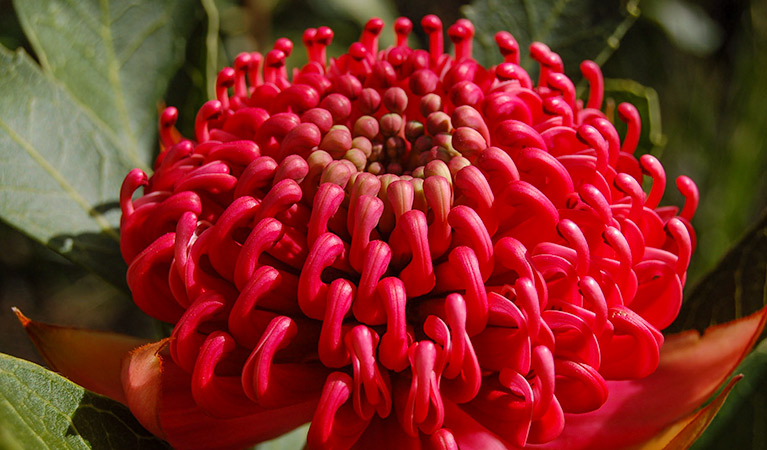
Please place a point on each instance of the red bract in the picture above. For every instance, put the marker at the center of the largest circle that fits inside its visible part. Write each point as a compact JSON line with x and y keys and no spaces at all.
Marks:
{"x":400,"y":246}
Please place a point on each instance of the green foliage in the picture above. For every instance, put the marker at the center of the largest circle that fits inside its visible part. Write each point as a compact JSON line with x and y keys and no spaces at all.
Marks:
{"x":101,"y":53}
{"x":736,"y":288}
{"x":49,"y":145}
{"x":71,"y":128}
{"x":40,"y":409}
{"x":577,"y":30}
{"x":289,"y":441}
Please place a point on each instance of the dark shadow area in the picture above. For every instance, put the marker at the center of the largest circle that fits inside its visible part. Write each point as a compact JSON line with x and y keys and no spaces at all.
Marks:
{"x":106,"y":207}
{"x":11,"y":34}
{"x":95,"y":414}
{"x":97,"y":252}
{"x":736,"y":290}
{"x":50,"y":288}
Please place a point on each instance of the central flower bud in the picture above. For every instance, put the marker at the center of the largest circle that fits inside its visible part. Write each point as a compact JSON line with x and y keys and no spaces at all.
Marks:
{"x":402,"y":238}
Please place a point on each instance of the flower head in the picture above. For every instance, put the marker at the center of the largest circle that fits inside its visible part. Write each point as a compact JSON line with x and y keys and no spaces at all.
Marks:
{"x":404,"y":243}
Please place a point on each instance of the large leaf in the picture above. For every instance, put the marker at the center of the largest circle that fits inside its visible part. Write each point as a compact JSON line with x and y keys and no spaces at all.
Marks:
{"x":114,"y":57}
{"x":40,"y":409}
{"x":576,"y":29}
{"x":740,"y":422}
{"x":735,"y":288}
{"x":71,"y":128}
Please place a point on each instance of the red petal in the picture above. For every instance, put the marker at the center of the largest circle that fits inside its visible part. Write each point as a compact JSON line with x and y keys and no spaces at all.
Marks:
{"x":142,"y":381}
{"x":691,"y":369}
{"x":468,"y":433}
{"x":383,"y":434}
{"x":89,"y":358}
{"x":159,"y":395}
{"x":683,"y":433}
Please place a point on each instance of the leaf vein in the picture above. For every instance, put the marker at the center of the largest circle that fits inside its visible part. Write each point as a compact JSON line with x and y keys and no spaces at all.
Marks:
{"x":113,"y":68}
{"x":18,"y":414}
{"x":59,"y":178}
{"x":139,"y":39}
{"x":33,"y":38}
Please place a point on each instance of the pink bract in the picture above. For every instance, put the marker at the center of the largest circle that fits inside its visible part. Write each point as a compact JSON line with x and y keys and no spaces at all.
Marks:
{"x":400,"y":243}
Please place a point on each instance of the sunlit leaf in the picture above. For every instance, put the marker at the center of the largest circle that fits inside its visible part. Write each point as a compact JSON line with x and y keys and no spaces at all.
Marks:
{"x":72,"y":127}
{"x":114,"y":57}
{"x":40,"y":409}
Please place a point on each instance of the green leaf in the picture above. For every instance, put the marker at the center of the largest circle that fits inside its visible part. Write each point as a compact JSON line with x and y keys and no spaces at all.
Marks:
{"x":296,"y":439}
{"x":114,"y":57}
{"x":740,"y":422}
{"x":576,"y":29}
{"x":71,"y":128}
{"x":735,"y":288}
{"x":645,"y":99}
{"x":40,"y":409}
{"x":59,"y":169}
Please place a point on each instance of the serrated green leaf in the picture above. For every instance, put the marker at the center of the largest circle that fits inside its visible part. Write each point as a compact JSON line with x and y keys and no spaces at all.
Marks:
{"x":71,"y":129}
{"x":40,"y":409}
{"x":576,"y":29}
{"x":645,"y":99}
{"x":735,"y":288}
{"x":740,"y":422}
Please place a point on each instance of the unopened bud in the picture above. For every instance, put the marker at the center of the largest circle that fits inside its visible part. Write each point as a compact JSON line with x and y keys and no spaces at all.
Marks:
{"x":363,"y":144}
{"x":467,"y":116}
{"x":413,"y":130}
{"x":375,"y":168}
{"x":338,"y":105}
{"x":395,"y":146}
{"x":438,"y":168}
{"x":430,"y":103}
{"x":337,"y":142}
{"x":366,"y":126}
{"x":423,"y":82}
{"x":391,"y":124}
{"x":466,"y":93}
{"x":457,"y":163}
{"x":320,"y":117}
{"x":468,"y":141}
{"x":423,"y":143}
{"x":337,"y":172}
{"x":438,"y":122}
{"x":357,"y":157}
{"x":395,"y":100}
{"x":369,"y":101}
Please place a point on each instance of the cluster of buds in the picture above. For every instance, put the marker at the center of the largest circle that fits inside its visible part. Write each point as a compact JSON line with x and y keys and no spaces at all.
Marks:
{"x":401,"y":239}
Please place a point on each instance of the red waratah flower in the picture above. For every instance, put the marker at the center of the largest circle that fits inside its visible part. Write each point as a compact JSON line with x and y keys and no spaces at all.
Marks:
{"x":409,"y":249}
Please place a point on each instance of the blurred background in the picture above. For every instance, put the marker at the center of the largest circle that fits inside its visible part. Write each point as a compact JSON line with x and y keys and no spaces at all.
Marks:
{"x":706,"y":60}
